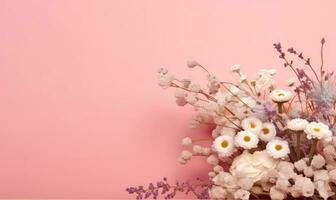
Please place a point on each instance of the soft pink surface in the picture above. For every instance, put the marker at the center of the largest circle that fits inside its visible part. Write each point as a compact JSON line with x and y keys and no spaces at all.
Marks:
{"x":81,"y":112}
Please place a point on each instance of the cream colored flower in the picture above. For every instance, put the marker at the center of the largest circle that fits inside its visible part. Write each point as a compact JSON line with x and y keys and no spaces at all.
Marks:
{"x":235,"y":68}
{"x":277,"y":148}
{"x":217,"y":192}
{"x":267,"y":132}
{"x":224,"y":145}
{"x":252,"y":124}
{"x":248,"y":101}
{"x":318,"y":130}
{"x":187,"y":141}
{"x":246,"y":139}
{"x":221,"y":97}
{"x":242,"y":78}
{"x":264,"y":80}
{"x":297,"y":124}
{"x":281,"y":96}
{"x":253,"y":166}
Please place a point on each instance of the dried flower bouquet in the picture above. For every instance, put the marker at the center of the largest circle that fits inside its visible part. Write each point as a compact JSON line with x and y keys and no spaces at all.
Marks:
{"x":278,"y":143}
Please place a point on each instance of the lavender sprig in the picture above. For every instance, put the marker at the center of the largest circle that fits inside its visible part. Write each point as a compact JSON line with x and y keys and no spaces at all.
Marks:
{"x":168,"y":191}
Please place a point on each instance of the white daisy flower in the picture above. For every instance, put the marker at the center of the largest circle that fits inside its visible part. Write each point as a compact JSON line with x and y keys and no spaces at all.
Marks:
{"x":224,"y":145}
{"x":277,"y":148}
{"x":267,"y":132}
{"x":235,"y":68}
{"x":281,"y":96}
{"x":318,"y":130}
{"x":297,"y":124}
{"x":252,"y":124}
{"x":246,"y":139}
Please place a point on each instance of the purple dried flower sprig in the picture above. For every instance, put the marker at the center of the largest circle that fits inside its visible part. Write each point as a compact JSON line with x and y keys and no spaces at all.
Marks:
{"x":168,"y":191}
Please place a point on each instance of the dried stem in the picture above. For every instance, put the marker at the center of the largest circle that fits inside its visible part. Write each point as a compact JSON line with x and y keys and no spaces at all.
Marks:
{"x":322,"y":62}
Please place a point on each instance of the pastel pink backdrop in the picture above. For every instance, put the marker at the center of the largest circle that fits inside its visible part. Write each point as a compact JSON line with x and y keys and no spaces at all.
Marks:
{"x":81,"y":113}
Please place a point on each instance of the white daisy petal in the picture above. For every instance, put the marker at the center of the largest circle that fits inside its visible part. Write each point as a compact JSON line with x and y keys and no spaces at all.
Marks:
{"x":277,"y":148}
{"x":224,"y":145}
{"x":281,"y":96}
{"x":246,"y":139}
{"x":268,"y":132}
{"x":252,"y":124}
{"x":318,"y":130}
{"x":297,"y":124}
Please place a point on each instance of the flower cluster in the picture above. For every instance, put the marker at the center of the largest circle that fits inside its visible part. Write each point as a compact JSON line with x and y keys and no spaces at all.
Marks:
{"x":266,"y":141}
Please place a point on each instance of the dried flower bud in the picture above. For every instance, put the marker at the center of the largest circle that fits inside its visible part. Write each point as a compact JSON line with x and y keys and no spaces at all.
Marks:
{"x":235,"y":68}
{"x":318,"y":161}
{"x":242,"y":78}
{"x":181,"y":161}
{"x":308,"y":171}
{"x":277,"y":194}
{"x":194,"y":87}
{"x":217,"y":192}
{"x":192,"y":63}
{"x":197,"y":149}
{"x":300,"y":165}
{"x":218,"y":168}
{"x":162,"y":70}
{"x":186,"y":82}
{"x":211,"y":174}
{"x":186,"y":155}
{"x":186,"y":141}
{"x":332,"y":175}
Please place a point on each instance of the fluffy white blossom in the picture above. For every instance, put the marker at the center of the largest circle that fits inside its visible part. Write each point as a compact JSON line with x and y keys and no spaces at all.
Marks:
{"x":318,"y":130}
{"x":268,"y":132}
{"x":264,"y":79}
{"x":277,"y":148}
{"x":222,"y":97}
{"x":253,"y":166}
{"x":186,"y":141}
{"x":297,"y":124}
{"x":281,"y":96}
{"x":224,"y":145}
{"x":252,"y":124}
{"x":242,"y":78}
{"x":235,"y":68}
{"x":246,"y":139}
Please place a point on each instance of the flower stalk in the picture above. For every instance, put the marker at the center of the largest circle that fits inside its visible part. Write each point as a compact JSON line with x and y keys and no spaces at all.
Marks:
{"x":312,"y":151}
{"x":298,"y":144}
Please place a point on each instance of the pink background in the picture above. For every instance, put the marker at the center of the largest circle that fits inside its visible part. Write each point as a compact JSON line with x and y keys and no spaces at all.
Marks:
{"x":81,"y":113}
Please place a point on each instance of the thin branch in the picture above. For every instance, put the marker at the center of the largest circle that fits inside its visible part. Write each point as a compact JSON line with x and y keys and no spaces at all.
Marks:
{"x":321,"y":68}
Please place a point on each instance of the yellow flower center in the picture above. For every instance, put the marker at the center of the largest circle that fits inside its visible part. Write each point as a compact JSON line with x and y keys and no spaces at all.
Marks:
{"x":252,"y":125}
{"x":225,"y":143}
{"x":316,"y":129}
{"x":281,"y":94}
{"x":247,"y":138}
{"x":265,"y":131}
{"x":278,"y":147}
